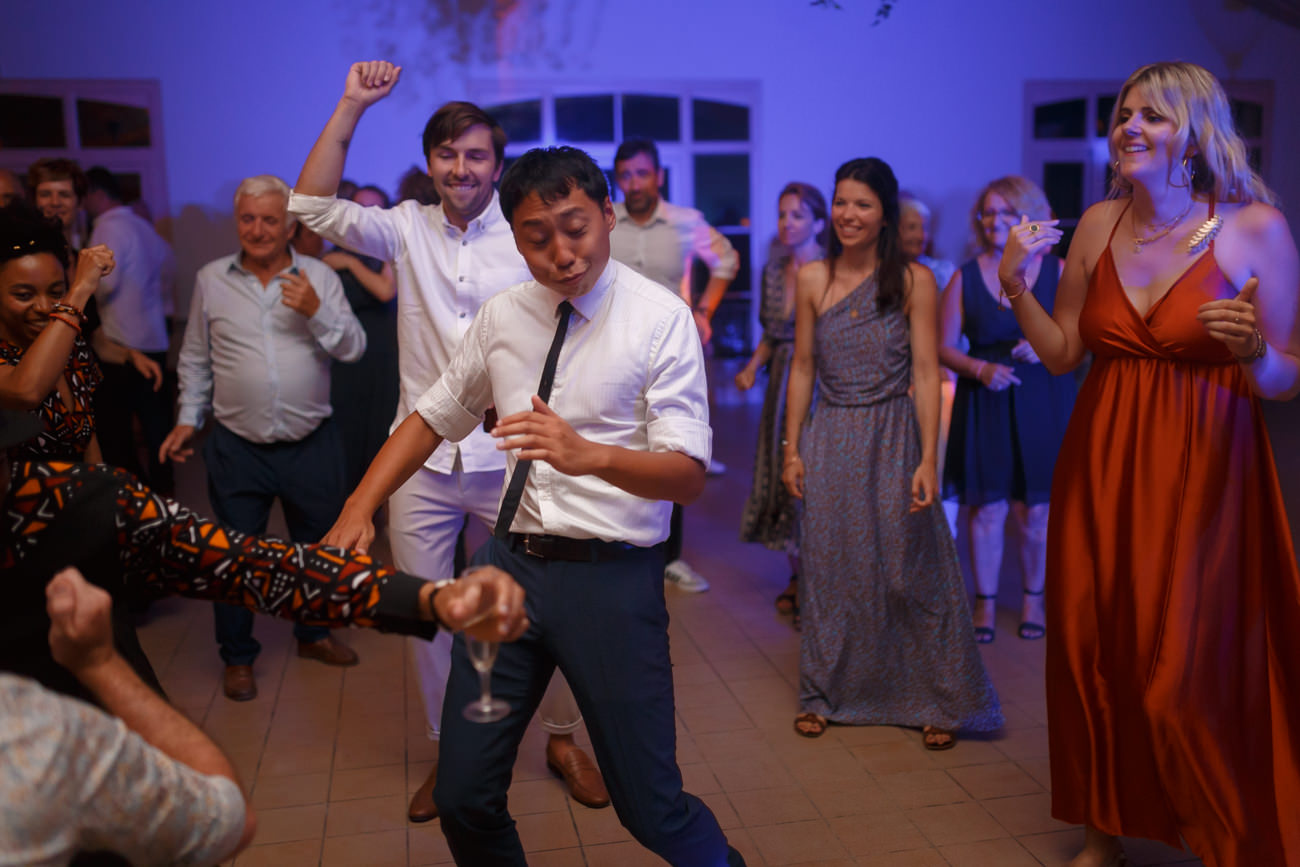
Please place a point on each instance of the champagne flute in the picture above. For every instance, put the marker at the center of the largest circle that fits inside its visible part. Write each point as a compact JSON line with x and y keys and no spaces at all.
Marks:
{"x":483,"y":655}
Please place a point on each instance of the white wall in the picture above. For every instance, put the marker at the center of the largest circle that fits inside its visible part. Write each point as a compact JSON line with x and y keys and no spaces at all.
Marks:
{"x":936,"y":90}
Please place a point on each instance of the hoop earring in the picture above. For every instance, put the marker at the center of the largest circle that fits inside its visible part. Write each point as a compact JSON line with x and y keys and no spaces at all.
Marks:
{"x":1188,"y":176}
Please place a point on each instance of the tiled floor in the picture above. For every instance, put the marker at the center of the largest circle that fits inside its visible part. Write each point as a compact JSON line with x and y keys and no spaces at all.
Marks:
{"x":331,"y":755}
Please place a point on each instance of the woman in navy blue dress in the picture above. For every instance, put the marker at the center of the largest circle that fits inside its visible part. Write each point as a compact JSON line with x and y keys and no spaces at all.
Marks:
{"x":1009,"y":413}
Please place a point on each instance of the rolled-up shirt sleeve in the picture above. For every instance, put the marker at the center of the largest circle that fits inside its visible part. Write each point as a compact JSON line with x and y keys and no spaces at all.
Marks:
{"x":713,"y":249}
{"x":454,"y":406}
{"x":677,"y":405}
{"x":371,"y":231}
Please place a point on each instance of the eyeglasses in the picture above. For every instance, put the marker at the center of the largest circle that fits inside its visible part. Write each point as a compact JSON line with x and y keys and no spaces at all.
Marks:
{"x":990,"y":214}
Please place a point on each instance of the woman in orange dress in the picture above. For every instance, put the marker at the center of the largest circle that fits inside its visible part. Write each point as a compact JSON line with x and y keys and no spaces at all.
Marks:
{"x":1173,"y":657}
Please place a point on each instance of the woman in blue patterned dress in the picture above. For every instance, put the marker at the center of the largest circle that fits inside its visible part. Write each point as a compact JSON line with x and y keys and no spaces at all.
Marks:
{"x":887,"y":636}
{"x":769,"y":516}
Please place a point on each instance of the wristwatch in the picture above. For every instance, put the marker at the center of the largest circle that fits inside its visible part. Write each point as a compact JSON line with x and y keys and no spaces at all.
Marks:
{"x":438,"y":585}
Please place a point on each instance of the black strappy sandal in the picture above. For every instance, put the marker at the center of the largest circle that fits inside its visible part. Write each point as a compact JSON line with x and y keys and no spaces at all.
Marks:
{"x":1029,"y":630}
{"x":985,"y":634}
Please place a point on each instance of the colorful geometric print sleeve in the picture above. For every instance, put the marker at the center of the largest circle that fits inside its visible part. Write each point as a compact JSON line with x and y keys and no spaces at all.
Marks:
{"x":166,"y":548}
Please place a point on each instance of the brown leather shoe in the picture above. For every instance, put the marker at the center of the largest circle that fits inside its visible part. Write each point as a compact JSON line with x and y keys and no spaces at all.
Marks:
{"x":238,"y":683}
{"x":328,"y":650}
{"x":580,"y":774}
{"x":422,"y":807}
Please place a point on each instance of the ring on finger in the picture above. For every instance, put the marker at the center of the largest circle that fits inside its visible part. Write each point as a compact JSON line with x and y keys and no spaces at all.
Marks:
{"x":1033,"y":228}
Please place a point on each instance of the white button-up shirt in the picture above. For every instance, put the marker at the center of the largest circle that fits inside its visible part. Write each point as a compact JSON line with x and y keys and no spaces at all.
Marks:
{"x":260,"y":367}
{"x":630,"y":374}
{"x":132,"y":298}
{"x":443,"y":276}
{"x":663,"y":248}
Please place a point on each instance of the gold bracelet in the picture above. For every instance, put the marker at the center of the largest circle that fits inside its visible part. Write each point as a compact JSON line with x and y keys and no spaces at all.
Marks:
{"x":1002,"y":293}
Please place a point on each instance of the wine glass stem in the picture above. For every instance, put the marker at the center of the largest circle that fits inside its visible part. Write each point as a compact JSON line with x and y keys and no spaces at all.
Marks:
{"x":485,"y":687}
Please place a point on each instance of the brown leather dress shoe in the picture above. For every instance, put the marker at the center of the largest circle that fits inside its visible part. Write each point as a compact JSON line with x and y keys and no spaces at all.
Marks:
{"x":422,"y":807}
{"x":328,"y":650}
{"x":238,"y":683}
{"x":580,"y":774}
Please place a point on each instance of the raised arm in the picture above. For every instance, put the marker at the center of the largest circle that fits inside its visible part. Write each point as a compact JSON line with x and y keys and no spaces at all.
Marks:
{"x":809,"y":285}
{"x":1055,"y":337}
{"x":177,"y":817}
{"x":366,"y":84}
{"x":26,"y":385}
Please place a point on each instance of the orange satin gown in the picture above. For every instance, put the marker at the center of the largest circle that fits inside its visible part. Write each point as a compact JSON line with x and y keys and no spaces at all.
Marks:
{"x":1173,"y":656}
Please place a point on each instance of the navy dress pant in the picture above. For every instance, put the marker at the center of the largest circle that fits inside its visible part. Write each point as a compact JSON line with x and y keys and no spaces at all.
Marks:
{"x":606,"y":627}
{"x":244,"y":479}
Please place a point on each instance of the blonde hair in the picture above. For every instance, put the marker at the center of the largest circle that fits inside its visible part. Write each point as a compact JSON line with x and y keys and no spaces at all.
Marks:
{"x":1191,"y":97}
{"x":265,"y":185}
{"x":1022,"y":194}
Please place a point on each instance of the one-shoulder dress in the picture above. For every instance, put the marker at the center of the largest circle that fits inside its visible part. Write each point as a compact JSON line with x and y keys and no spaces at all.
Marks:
{"x":887,"y":636}
{"x":1173,"y":655}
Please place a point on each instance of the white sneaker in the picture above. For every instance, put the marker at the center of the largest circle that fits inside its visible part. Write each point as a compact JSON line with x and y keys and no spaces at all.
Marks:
{"x":679,"y":572}
{"x":716,"y":468}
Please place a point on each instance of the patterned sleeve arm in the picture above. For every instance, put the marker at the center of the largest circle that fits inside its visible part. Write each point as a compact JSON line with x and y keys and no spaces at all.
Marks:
{"x":171,"y":550}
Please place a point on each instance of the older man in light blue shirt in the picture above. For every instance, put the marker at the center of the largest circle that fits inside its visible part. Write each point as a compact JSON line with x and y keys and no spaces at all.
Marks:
{"x":264,"y":324}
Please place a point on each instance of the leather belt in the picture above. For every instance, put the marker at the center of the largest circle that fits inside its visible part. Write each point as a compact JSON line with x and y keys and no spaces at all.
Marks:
{"x":547,"y":547}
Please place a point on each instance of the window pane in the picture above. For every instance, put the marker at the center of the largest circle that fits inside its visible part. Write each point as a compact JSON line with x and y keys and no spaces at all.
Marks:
{"x":720,"y":121}
{"x":584,"y":118}
{"x":522,"y":121}
{"x":109,"y":125}
{"x":1060,"y":119}
{"x":1249,"y":118}
{"x":722,"y":188}
{"x":653,"y":117}
{"x":31,"y":122}
{"x":1105,"y":105}
{"x":1063,"y":183}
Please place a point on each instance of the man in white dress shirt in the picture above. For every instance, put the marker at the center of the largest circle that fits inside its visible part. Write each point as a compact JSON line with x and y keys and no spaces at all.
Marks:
{"x":264,"y":324}
{"x":448,"y":259}
{"x":616,"y":427}
{"x":132,"y":314}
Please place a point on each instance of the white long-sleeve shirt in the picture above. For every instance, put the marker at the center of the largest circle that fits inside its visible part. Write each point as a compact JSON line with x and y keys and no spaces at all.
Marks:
{"x":443,"y":276}
{"x":261,"y":368}
{"x":630,"y":374}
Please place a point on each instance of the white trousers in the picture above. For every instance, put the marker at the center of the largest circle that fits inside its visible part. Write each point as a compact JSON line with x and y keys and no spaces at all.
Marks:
{"x":425,"y":517}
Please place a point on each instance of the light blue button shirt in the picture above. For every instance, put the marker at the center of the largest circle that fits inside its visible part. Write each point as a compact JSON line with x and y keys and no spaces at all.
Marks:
{"x":262,"y":369}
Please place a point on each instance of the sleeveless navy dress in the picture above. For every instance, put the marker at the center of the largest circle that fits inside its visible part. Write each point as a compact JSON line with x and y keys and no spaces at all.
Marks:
{"x":1002,"y":444}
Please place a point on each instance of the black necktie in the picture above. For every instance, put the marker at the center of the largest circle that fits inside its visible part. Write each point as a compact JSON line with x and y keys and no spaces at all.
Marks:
{"x":510,"y":503}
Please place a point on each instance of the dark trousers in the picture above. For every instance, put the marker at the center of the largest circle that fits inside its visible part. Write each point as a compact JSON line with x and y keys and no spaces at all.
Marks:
{"x":244,"y":478}
{"x":123,"y":398}
{"x":673,"y":547}
{"x":605,"y":625}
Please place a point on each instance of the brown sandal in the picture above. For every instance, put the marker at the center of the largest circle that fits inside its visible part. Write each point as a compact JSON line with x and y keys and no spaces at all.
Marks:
{"x":816,"y":724}
{"x":932,"y":735}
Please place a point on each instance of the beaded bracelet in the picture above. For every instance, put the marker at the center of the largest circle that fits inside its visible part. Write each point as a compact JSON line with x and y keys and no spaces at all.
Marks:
{"x":75,"y":326}
{"x":1257,"y":354}
{"x":60,"y":307}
